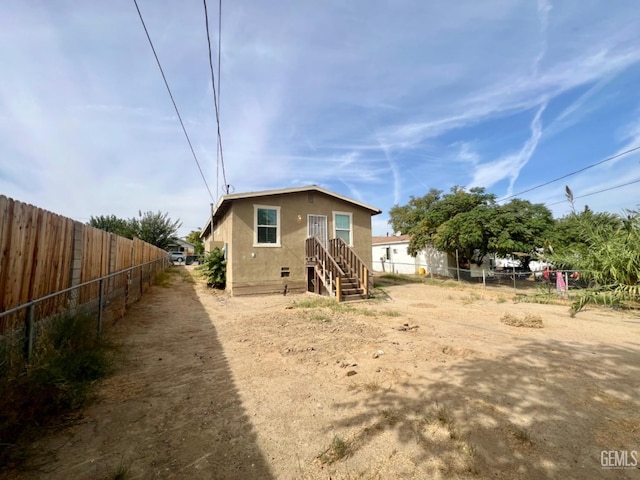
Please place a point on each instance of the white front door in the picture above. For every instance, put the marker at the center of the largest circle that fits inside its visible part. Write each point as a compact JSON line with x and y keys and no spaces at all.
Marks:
{"x":317,"y":227}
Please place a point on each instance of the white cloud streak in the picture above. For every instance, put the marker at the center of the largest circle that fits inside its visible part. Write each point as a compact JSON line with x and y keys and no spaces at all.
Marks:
{"x":312,"y":92}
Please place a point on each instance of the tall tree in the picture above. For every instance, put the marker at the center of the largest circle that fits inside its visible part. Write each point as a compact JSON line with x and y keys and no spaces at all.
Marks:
{"x":423,"y":217}
{"x":155,"y":228}
{"x":468,"y":233}
{"x":520,"y":227}
{"x":194,"y":237}
{"x":112,"y":224}
{"x":471,"y":223}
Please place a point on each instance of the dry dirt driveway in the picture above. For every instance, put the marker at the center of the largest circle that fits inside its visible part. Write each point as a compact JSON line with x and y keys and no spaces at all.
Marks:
{"x":428,"y":383}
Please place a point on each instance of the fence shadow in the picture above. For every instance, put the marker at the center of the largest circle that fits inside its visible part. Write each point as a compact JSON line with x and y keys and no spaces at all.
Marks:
{"x":545,"y":411}
{"x":172,"y":410}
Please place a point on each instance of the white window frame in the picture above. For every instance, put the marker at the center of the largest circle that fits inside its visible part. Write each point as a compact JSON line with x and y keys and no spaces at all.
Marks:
{"x":255,"y":226}
{"x":335,"y":230}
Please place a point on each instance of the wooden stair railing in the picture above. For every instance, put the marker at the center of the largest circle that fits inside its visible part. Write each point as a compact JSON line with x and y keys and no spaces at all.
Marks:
{"x":352,"y":264}
{"x":326,"y":269}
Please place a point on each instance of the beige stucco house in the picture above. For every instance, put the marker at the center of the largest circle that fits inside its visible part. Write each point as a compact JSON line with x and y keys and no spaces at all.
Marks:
{"x":293,"y":239}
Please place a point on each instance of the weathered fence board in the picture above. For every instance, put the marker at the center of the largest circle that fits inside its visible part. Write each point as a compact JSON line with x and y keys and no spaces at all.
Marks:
{"x":42,"y":253}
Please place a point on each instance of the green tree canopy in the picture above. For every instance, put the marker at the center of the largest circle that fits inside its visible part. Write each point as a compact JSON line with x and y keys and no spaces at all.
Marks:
{"x":194,"y":237}
{"x":112,"y":224}
{"x":472,"y":223}
{"x":519,"y":226}
{"x":154,"y":228}
{"x":569,"y":234}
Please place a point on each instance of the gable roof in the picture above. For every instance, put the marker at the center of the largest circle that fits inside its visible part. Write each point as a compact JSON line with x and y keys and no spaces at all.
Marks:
{"x":181,"y":242}
{"x":388,"y":240}
{"x":226,"y":200}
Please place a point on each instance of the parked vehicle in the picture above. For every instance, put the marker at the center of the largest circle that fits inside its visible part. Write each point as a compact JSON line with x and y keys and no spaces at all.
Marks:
{"x":177,"y":257}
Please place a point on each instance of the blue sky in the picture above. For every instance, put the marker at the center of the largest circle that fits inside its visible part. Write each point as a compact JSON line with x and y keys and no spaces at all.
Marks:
{"x":377,"y":100}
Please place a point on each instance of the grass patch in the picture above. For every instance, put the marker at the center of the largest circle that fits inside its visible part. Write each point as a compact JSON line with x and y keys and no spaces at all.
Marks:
{"x":187,"y":277}
{"x":472,"y":297}
{"x":542,"y":298}
{"x":442,"y":283}
{"x":443,"y":415}
{"x":528,"y":321}
{"x":522,"y":435}
{"x":471,"y":449}
{"x":337,"y":450}
{"x":323,"y":302}
{"x":501,"y":299}
{"x":319,"y":317}
{"x":320,"y":309}
{"x":396,"y":279}
{"x":163,"y":278}
{"x":68,"y":360}
{"x":122,"y":471}
{"x":390,"y":417}
{"x":376,"y":313}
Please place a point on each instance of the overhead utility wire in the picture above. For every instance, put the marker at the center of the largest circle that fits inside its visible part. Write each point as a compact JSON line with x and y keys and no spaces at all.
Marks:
{"x":594,"y":193}
{"x":215,"y":95}
{"x":626,"y":152}
{"x":172,"y":100}
{"x":218,"y":149}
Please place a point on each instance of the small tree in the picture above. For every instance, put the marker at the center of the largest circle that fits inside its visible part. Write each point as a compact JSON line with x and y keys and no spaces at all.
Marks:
{"x":155,"y":228}
{"x":194,"y":237}
{"x":214,"y":269}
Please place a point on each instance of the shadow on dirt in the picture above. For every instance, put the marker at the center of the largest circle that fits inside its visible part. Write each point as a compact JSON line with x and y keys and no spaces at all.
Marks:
{"x":172,"y":410}
{"x":545,"y":411}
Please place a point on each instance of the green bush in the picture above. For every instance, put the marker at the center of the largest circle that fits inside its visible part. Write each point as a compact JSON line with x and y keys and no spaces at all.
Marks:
{"x":214,"y":269}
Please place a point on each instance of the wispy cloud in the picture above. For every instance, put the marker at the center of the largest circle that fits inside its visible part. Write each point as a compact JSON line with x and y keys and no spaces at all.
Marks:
{"x":544,"y":8}
{"x":452,"y":93}
{"x":509,"y":166}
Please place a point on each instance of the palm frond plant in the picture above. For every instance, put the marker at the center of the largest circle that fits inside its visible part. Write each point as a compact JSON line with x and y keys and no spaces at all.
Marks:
{"x":609,"y":261}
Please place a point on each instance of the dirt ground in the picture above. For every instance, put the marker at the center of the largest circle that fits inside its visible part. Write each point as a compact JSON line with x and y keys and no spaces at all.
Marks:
{"x":428,"y":383}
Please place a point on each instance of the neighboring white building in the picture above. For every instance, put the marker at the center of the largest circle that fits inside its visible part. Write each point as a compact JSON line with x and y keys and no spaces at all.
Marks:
{"x":390,"y":254}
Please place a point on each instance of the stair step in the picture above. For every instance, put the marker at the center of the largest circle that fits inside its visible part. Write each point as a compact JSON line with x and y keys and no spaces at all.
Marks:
{"x":352,"y":291}
{"x":354,"y":297}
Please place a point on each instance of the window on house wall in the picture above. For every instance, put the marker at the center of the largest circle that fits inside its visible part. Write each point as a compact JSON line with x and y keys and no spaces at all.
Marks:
{"x":267,"y":226}
{"x":342,"y":226}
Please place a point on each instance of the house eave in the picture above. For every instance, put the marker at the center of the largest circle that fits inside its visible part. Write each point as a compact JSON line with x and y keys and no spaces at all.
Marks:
{"x":226,"y":200}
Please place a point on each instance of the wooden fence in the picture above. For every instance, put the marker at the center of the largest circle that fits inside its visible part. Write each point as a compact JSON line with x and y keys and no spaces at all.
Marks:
{"x":42,"y":253}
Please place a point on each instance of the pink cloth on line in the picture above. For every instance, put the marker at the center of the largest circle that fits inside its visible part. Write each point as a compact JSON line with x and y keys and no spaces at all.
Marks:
{"x":560,"y":285}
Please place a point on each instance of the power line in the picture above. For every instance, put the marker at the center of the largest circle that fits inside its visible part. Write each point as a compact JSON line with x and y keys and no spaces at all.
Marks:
{"x":213,"y":86}
{"x":172,"y":99}
{"x":218,"y":148}
{"x":626,"y":152}
{"x":599,"y":191}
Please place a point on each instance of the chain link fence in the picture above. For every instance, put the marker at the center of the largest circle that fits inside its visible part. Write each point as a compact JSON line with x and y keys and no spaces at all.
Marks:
{"x":104,"y":299}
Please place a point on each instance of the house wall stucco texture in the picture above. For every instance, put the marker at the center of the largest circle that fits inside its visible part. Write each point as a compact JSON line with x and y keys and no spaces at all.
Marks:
{"x":254,"y":268}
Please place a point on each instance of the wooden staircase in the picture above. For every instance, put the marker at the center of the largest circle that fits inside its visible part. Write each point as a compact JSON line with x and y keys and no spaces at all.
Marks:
{"x":338,"y":271}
